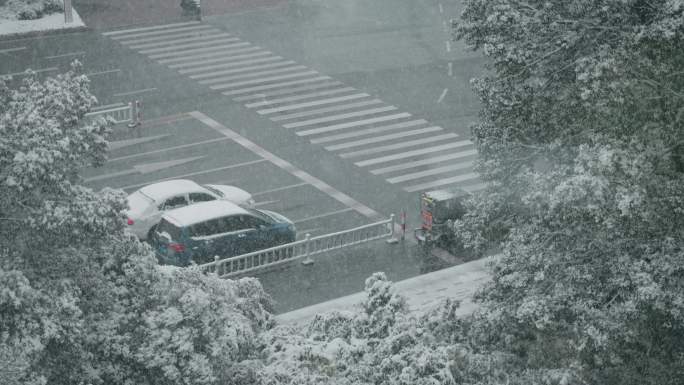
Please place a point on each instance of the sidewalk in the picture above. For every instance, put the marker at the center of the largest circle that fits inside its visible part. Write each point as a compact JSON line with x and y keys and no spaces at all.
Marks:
{"x":421,"y":292}
{"x":11,"y":29}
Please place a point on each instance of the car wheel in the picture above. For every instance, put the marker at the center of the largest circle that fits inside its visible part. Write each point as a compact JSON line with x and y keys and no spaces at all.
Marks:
{"x":151,"y":234}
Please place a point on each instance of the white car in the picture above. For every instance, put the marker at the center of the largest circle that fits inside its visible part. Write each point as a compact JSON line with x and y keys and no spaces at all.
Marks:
{"x":148,"y":204}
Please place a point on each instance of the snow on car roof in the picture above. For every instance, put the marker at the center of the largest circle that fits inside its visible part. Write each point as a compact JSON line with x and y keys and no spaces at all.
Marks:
{"x":166,"y":189}
{"x":203,"y":211}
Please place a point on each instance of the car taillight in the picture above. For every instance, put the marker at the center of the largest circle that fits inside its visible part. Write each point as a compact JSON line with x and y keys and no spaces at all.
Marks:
{"x":177,"y":247}
{"x":130,"y":222}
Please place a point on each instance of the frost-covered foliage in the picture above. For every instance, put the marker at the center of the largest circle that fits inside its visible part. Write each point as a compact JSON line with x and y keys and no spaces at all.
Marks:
{"x":81,"y":302}
{"x":581,"y":139}
{"x":31,"y":9}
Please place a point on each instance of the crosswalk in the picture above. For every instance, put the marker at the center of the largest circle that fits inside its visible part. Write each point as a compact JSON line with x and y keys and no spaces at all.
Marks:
{"x":406,"y":151}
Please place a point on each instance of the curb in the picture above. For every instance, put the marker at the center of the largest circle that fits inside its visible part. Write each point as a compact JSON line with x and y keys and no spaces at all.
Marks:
{"x":33,"y":34}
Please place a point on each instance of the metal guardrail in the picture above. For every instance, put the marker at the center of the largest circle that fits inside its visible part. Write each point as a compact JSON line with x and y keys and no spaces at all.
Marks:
{"x":304,"y":248}
{"x":121,"y":113}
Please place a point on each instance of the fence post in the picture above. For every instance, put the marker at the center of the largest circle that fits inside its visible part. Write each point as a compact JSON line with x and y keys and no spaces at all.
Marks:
{"x":393,"y":239}
{"x":307,"y":260}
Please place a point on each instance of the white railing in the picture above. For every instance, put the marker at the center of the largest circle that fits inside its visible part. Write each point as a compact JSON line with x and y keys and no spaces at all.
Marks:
{"x":304,"y":248}
{"x":119,"y":113}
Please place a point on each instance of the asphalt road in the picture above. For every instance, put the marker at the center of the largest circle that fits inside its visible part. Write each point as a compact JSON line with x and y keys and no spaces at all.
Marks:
{"x":370,"y":98}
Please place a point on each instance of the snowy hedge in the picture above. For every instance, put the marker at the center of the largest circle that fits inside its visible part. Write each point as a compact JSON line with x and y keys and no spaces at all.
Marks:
{"x":29,"y":9}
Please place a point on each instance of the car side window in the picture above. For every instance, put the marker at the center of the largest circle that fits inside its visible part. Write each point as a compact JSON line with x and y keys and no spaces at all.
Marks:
{"x":200,"y":197}
{"x":174,"y":202}
{"x":251,"y":222}
{"x":232,"y":223}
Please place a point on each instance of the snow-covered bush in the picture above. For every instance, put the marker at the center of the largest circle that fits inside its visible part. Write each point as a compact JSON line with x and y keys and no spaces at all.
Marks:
{"x":33,"y":9}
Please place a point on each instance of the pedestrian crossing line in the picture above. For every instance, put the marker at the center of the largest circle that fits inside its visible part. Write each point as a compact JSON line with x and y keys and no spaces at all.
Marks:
{"x":333,"y":118}
{"x":287,"y":91}
{"x":372,"y":130}
{"x":442,"y":182}
{"x":212,"y":41}
{"x":242,"y":69}
{"x":357,"y":123}
{"x":318,"y":102}
{"x":226,"y":58}
{"x":275,"y":86}
{"x":189,"y":53}
{"x":397,"y":146}
{"x":161,"y":32}
{"x":263,"y":80}
{"x":156,"y":27}
{"x":198,"y":71}
{"x":167,"y":40}
{"x":430,"y":172}
{"x":383,"y":138}
{"x":164,"y":38}
{"x":339,"y":107}
{"x":299,"y":97}
{"x":424,"y":162}
{"x":221,"y":79}
{"x":409,"y":154}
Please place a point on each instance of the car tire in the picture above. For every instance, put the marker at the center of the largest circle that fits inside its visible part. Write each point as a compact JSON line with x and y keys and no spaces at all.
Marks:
{"x":151,"y":234}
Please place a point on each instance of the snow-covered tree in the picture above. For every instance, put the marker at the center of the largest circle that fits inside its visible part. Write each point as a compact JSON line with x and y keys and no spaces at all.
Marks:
{"x":581,"y":141}
{"x":82,"y":302}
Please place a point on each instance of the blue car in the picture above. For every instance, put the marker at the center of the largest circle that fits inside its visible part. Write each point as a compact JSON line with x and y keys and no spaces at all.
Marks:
{"x":198,"y":232}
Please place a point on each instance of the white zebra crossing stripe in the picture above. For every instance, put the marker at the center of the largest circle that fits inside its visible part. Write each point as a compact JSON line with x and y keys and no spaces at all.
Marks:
{"x":222,"y":79}
{"x":339,"y":117}
{"x":442,"y":182}
{"x":189,"y":52}
{"x":357,"y":123}
{"x":423,"y":162}
{"x":319,"y":111}
{"x":372,"y":130}
{"x":232,"y":64}
{"x":165,"y":40}
{"x":430,"y":172}
{"x":287,"y":91}
{"x":317,"y":102}
{"x":156,"y":27}
{"x":295,"y":98}
{"x":222,"y":57}
{"x":376,"y":139}
{"x":263,"y":80}
{"x":397,"y":146}
{"x":212,"y":41}
{"x":242,"y":69}
{"x":160,"y":32}
{"x":276,"y":85}
{"x":409,"y":154}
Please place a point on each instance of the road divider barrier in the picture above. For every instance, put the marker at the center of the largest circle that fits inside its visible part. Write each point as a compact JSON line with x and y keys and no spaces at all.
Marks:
{"x":119,"y":113}
{"x":302,"y":249}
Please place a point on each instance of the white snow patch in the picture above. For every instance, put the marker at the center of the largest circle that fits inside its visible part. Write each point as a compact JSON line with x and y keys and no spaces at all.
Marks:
{"x":51,"y":22}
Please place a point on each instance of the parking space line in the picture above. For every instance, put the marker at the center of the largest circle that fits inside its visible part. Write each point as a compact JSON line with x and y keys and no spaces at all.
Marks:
{"x":23,"y":73}
{"x":289,"y":167}
{"x":251,"y":162}
{"x":103,"y":72}
{"x":8,"y":50}
{"x":136,"y":92}
{"x":78,"y":53}
{"x":167,"y":149}
{"x":280,"y":188}
{"x":117,"y":144}
{"x":331,"y":213}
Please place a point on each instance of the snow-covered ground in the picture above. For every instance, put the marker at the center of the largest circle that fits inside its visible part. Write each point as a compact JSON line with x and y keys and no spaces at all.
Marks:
{"x":51,"y":22}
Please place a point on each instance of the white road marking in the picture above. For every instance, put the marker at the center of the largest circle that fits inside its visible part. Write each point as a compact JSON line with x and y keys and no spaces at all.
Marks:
{"x":79,"y":53}
{"x":36,"y":71}
{"x":8,"y":50}
{"x":178,"y":35}
{"x":144,"y":168}
{"x":244,"y":69}
{"x":448,"y":46}
{"x":408,"y":154}
{"x":474,"y":187}
{"x":237,"y":165}
{"x":221,"y":79}
{"x":287,"y":166}
{"x":441,"y":97}
{"x":340,"y":117}
{"x":166,"y":40}
{"x":159,"y":32}
{"x":382,"y":138}
{"x":213,"y":41}
{"x":106,"y":106}
{"x":191,"y":52}
{"x":423,"y":162}
{"x":136,"y":92}
{"x":213,"y":57}
{"x":112,"y":33}
{"x":316,"y":102}
{"x":352,"y":124}
{"x":280,"y":188}
{"x":295,"y":98}
{"x":103,"y":72}
{"x":441,"y":9}
{"x":141,"y":154}
{"x":434,"y":171}
{"x":115,"y":145}
{"x":441,"y":182}
{"x":287,"y":91}
{"x":372,"y":130}
{"x":319,"y":111}
{"x":451,"y":69}
{"x":328,"y":214}
{"x":230,"y":64}
{"x":263,"y":80}
{"x":274,"y":85}
{"x":397,"y":146}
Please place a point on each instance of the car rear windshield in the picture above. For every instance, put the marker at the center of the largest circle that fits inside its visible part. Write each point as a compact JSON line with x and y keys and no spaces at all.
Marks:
{"x":169,"y":228}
